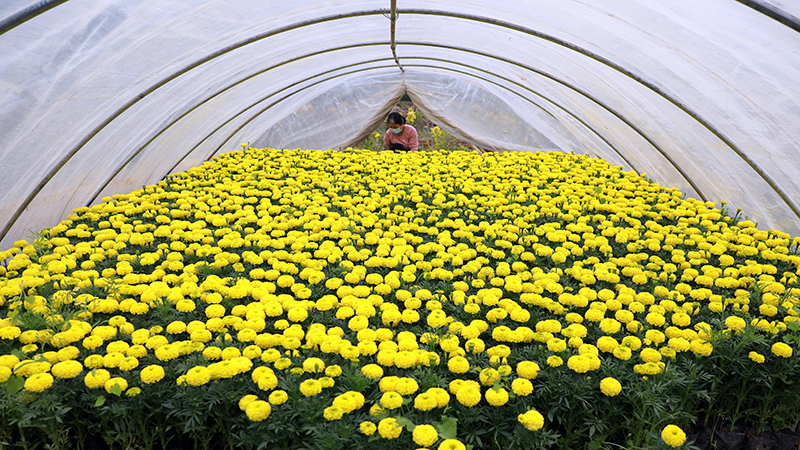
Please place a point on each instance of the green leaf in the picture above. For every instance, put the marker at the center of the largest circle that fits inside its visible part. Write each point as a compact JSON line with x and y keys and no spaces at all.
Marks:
{"x":100,"y":401}
{"x":116,"y":390}
{"x":18,"y":353}
{"x":14,"y":384}
{"x":405,"y":422}
{"x":447,"y":427}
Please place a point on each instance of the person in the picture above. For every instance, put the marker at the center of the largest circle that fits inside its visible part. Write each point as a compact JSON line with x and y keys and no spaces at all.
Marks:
{"x":400,"y":135}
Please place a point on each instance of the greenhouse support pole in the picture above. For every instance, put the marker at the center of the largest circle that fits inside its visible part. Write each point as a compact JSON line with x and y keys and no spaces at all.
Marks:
{"x":393,"y":20}
{"x":28,"y":13}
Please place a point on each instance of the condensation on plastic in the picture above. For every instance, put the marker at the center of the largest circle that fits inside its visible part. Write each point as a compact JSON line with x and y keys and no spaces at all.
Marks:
{"x":701,"y":96}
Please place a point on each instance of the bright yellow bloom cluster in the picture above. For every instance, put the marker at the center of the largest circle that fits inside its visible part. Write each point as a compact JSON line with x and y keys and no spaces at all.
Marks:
{"x":610,"y":386}
{"x":532,"y":420}
{"x":673,"y":436}
{"x":272,"y":263}
{"x":389,"y":429}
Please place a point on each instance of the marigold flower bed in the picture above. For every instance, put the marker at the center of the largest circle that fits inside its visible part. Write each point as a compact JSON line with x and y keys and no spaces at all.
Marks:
{"x":287,"y":298}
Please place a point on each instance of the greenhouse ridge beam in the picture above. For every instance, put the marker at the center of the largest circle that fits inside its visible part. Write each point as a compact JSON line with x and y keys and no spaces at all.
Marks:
{"x":773,"y":13}
{"x":27,"y":14}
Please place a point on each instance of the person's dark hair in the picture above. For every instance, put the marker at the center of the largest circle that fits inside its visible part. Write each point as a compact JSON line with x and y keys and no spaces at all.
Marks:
{"x":397,"y":118}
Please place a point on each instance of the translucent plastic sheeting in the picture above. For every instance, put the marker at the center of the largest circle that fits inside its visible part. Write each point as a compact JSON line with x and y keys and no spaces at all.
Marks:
{"x":321,"y":124}
{"x":98,"y":98}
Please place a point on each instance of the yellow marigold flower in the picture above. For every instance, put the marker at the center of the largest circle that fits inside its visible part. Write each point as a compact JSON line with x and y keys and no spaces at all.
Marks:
{"x":367,"y":427}
{"x":333,"y":413}
{"x":92,"y":342}
{"x":701,"y":347}
{"x":246,"y":400}
{"x":468,"y":396}
{"x":650,"y":355}
{"x":756,"y":357}
{"x":10,"y":332}
{"x":673,"y":436}
{"x":372,"y":371}
{"x":655,"y":319}
{"x":67,"y":369}
{"x":425,"y":402}
{"x":133,"y":392}
{"x":116,"y":381}
{"x":497,"y":397}
{"x":278,"y":397}
{"x":532,"y":420}
{"x":185,"y":305}
{"x":610,"y":386}
{"x":556,"y":345}
{"x":529,"y":369}
{"x":607,"y":344}
{"x":283,"y":363}
{"x":452,"y":444}
{"x":781,"y":349}
{"x":425,"y":435}
{"x":310,"y":388}
{"x":313,"y":365}
{"x":405,"y":359}
{"x":5,"y":374}
{"x":735,"y":323}
{"x":96,"y":378}
{"x":389,"y":429}
{"x":258,"y":410}
{"x":442,"y":397}
{"x":458,"y":364}
{"x":333,"y":371}
{"x":579,"y":363}
{"x":213,"y":353}
{"x":489,"y":376}
{"x":406,"y":386}
{"x":152,"y":374}
{"x":391,"y":400}
{"x":522,"y":386}
{"x":555,"y":361}
{"x":215,"y":310}
{"x":198,"y":376}
{"x":8,"y":360}
{"x":38,"y":382}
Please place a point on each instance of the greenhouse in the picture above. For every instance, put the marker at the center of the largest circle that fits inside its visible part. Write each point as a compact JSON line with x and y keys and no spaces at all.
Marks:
{"x":205,"y":243}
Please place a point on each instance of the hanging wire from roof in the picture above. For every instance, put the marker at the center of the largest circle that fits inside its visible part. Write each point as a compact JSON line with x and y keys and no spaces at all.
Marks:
{"x":393,"y":16}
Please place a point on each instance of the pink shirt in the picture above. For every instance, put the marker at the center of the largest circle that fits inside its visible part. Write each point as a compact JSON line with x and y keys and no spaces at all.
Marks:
{"x":408,"y":138}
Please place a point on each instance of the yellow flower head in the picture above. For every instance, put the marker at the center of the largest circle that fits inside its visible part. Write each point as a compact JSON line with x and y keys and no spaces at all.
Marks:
{"x":673,"y":436}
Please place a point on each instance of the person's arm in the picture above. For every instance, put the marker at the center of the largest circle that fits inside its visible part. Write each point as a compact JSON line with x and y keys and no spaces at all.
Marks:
{"x":386,"y":142}
{"x":413,"y":142}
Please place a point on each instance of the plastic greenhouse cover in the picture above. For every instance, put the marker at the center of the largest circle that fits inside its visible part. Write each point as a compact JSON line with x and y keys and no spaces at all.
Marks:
{"x":99,"y":98}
